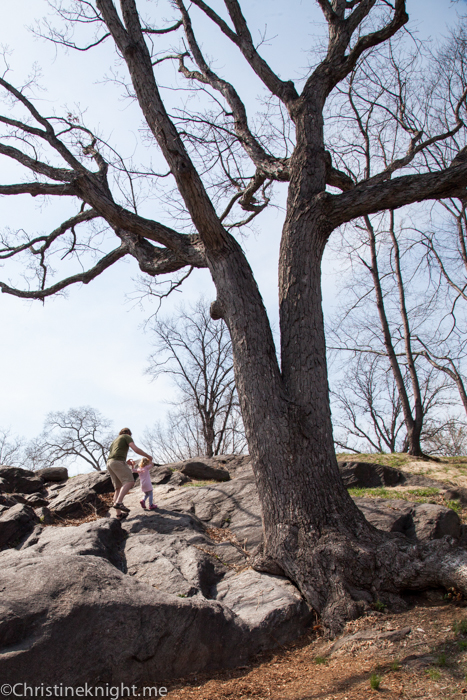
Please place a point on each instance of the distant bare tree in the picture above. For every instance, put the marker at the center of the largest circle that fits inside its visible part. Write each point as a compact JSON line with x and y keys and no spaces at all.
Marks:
{"x":181,"y":437}
{"x":11,"y":449}
{"x":68,"y":436}
{"x":448,"y":438}
{"x":197,"y":353}
{"x":367,"y":412}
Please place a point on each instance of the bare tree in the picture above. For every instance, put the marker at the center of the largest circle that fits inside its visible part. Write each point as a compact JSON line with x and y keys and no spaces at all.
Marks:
{"x":181,"y":436}
{"x":313,"y":531}
{"x":449,"y":439}
{"x":11,"y":449}
{"x":69,"y":436}
{"x":197,"y":353}
{"x":368,"y":408}
{"x":368,"y":411}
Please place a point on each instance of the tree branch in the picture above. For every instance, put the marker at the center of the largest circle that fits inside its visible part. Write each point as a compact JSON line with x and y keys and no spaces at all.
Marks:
{"x":84,"y":277}
{"x":369,"y":198}
{"x":284,"y":90}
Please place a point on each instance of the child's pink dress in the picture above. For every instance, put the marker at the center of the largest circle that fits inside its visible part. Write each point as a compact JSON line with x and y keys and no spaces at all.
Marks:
{"x":145,"y":478}
{"x":146,"y":486}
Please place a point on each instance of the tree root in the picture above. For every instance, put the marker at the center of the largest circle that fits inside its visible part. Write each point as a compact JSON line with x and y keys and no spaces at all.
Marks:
{"x":342,"y":578}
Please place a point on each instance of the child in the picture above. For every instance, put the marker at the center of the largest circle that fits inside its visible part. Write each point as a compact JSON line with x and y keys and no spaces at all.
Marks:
{"x":145,"y":481}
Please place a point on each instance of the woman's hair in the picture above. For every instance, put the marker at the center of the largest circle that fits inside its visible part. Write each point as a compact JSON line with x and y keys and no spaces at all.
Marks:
{"x":143,"y":462}
{"x":125,"y":431}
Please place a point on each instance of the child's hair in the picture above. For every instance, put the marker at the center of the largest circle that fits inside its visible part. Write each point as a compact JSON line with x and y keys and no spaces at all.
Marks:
{"x":143,"y":462}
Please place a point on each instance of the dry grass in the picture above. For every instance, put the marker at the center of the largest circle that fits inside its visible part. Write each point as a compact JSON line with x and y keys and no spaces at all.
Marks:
{"x":88,"y":512}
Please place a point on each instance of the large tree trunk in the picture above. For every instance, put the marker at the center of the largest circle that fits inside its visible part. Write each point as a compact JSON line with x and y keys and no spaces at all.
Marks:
{"x":314,"y":533}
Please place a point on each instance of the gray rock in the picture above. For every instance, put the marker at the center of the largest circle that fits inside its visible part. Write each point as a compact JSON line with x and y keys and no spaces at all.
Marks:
{"x":15,"y":479}
{"x":417,"y":521}
{"x":101,"y":538}
{"x":234,"y":505}
{"x":80,"y":492}
{"x":197,"y":469}
{"x":178,"y":479}
{"x":160,"y":474}
{"x":36,"y":500}
{"x":235,"y":465}
{"x":368,"y":475}
{"x":270,"y":606}
{"x":458,"y":493}
{"x":106,"y":627}
{"x":7,"y":501}
{"x":44,"y":515}
{"x":431,"y":522}
{"x":15,"y":523}
{"x":53,"y":474}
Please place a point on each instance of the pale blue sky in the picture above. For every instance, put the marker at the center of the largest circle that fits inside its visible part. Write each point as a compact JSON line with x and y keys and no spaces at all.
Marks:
{"x":89,"y":348}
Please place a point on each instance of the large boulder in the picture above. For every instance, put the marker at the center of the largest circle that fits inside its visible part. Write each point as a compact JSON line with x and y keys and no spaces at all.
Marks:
{"x":267,"y":605}
{"x":101,"y":538}
{"x":417,"y":521}
{"x":17,"y":480}
{"x":78,"y":619}
{"x":196,"y":469}
{"x":79,"y":493}
{"x":15,"y":523}
{"x":53,"y":474}
{"x":368,"y":475}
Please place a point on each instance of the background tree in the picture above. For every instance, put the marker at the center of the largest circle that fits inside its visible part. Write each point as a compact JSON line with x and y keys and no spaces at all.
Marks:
{"x":197,"y":353}
{"x":11,"y":449}
{"x":70,"y":436}
{"x":367,"y":410}
{"x":313,"y":532}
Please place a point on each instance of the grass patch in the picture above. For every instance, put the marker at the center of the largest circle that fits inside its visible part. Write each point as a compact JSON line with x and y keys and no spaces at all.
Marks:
{"x":320,"y":660}
{"x":395,"y":666}
{"x":417,"y":495}
{"x":454,"y":505}
{"x":441,"y":661}
{"x":433,"y":674}
{"x":375,"y":681}
{"x":460,"y":626}
{"x":198,"y":484}
{"x":380,"y":606}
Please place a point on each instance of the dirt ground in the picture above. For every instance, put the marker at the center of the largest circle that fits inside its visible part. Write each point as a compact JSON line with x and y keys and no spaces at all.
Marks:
{"x":428,"y":662}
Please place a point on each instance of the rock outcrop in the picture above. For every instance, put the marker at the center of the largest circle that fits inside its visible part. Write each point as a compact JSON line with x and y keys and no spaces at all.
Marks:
{"x":417,"y":521}
{"x":53,"y":474}
{"x":17,"y":480}
{"x":80,"y":491}
{"x":368,"y":475}
{"x":163,"y":593}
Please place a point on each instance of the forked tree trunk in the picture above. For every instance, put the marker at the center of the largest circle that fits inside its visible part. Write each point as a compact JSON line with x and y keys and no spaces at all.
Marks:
{"x":313,"y":532}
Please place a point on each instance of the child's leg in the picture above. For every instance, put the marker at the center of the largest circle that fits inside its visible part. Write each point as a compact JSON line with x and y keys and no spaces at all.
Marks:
{"x":146,"y":495}
{"x":149,"y":495}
